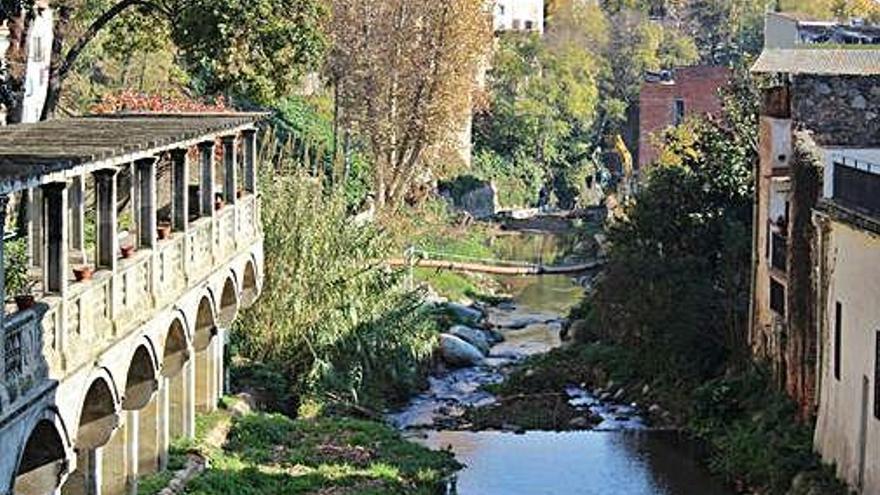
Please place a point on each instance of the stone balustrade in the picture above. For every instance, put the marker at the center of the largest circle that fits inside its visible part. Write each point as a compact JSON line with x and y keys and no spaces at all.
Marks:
{"x":112,"y":303}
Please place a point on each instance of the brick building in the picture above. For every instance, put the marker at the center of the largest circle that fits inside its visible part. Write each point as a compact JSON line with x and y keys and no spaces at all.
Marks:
{"x":669,"y":97}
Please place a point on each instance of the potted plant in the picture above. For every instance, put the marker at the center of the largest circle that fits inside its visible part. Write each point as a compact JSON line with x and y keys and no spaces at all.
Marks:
{"x":18,"y":280}
{"x":127,"y":250}
{"x":218,"y":202}
{"x":164,"y":230}
{"x":83,"y":272}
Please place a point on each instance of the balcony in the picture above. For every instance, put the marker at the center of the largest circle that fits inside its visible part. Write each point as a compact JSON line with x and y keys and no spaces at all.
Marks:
{"x":73,"y":221}
{"x":856,"y":185}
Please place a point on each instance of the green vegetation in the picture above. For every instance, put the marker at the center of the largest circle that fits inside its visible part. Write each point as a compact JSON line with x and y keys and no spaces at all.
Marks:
{"x":17,"y":267}
{"x":331,"y":316}
{"x":271,"y":453}
{"x":274,"y":454}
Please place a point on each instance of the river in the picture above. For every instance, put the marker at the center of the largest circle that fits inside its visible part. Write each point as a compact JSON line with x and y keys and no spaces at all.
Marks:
{"x":620,"y":456}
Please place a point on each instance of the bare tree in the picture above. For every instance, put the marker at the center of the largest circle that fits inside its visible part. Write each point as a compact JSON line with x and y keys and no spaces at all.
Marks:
{"x":405,"y":70}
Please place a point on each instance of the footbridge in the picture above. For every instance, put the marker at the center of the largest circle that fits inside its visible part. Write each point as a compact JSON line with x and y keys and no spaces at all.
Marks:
{"x":414,"y":257}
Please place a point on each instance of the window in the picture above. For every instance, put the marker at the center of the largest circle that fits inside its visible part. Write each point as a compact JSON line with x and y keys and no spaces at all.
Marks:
{"x":877,"y":375}
{"x":678,"y":112}
{"x":530,"y":25}
{"x":779,"y":252}
{"x":516,"y":24}
{"x":838,"y":338}
{"x":37,"y":51}
{"x":777,"y":297}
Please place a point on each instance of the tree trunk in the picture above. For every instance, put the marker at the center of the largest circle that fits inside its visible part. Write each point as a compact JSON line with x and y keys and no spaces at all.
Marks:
{"x":16,"y":61}
{"x":61,"y":67}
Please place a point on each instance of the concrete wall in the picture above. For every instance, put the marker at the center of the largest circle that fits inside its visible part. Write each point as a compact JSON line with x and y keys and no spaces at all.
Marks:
{"x":697,"y":87}
{"x":851,"y":275}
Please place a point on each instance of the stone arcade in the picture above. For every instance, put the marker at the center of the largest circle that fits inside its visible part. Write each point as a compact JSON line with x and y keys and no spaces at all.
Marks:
{"x":100,"y":375}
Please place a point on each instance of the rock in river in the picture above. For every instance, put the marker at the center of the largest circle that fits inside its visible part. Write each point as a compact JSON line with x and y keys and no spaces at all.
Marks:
{"x":472,"y":336}
{"x":457,"y":352}
{"x":465,"y":313}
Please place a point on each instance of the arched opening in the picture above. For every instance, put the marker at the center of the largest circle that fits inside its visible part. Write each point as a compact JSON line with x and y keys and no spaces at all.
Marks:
{"x":141,"y":385}
{"x":98,"y":418}
{"x":43,"y":465}
{"x":97,"y":423}
{"x":205,"y":361}
{"x":174,"y":361}
{"x":228,"y":304}
{"x":249,"y":290}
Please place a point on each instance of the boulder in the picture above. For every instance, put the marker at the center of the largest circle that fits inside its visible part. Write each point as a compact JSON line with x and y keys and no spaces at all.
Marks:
{"x":465,"y":313}
{"x":473,"y":337}
{"x":457,"y":352}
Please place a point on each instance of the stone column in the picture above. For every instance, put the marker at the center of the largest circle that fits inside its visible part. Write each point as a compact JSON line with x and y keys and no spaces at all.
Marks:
{"x":55,"y":274}
{"x":93,"y":474}
{"x":230,"y":170}
{"x":132,"y":448}
{"x":220,"y":372}
{"x":249,"y":146}
{"x":146,"y":202}
{"x":164,"y":422}
{"x":35,"y":237}
{"x":189,"y":398}
{"x":133,"y":202}
{"x":180,"y":190}
{"x":77,"y":213}
{"x":107,"y":239}
{"x":206,"y":179}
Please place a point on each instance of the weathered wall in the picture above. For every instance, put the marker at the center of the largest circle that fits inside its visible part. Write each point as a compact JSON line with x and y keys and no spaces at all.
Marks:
{"x":839,"y":110}
{"x":696,"y":86}
{"x":851,"y":259}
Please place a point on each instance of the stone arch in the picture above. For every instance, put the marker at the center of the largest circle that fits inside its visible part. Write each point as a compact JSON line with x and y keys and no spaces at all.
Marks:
{"x":206,"y":357}
{"x":228,"y":308}
{"x":98,"y":417}
{"x":140,"y":382}
{"x":175,"y":358}
{"x":43,"y":464}
{"x":249,"y":288}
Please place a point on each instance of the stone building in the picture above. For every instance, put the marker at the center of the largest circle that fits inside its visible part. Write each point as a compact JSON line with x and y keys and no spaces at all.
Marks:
{"x":100,"y":371}
{"x":816,"y":283}
{"x":666,"y":99}
{"x":519,"y":15}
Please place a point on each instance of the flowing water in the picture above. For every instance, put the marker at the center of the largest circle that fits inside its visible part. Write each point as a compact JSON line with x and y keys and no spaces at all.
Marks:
{"x":620,"y":456}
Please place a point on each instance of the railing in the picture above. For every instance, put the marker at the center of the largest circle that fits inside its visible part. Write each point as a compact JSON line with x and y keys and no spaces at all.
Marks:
{"x":226,"y":231}
{"x":856,"y":185}
{"x":23,"y":361}
{"x":199,"y":259}
{"x":57,"y":335}
{"x":171,"y":276}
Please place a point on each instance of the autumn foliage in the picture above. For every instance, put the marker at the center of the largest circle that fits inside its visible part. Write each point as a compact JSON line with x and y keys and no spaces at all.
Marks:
{"x":131,"y":101}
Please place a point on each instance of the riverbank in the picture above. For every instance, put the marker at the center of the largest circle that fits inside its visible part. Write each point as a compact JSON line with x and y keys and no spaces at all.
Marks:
{"x":745,"y":427}
{"x":261,"y":453}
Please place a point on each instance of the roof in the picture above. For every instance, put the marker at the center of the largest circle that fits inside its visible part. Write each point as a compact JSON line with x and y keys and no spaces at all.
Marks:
{"x":827,"y":61}
{"x":29,"y":151}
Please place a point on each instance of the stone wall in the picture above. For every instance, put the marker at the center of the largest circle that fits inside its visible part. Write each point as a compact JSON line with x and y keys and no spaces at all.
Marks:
{"x":839,"y":110}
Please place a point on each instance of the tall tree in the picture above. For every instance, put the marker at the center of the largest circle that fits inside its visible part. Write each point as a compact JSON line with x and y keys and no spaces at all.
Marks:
{"x":255,"y":49}
{"x":405,"y":71}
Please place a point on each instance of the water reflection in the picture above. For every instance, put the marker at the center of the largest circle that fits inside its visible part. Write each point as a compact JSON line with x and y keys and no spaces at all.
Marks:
{"x":574,"y":463}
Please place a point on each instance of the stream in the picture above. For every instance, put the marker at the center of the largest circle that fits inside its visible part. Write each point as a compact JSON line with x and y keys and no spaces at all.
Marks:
{"x":621,"y":455}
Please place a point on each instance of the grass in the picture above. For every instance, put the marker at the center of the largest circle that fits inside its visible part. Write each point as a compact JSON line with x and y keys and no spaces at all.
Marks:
{"x":268,"y":453}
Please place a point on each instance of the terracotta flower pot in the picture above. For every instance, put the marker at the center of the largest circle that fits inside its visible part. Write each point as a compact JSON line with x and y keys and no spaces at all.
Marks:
{"x":127,"y":251}
{"x":164,"y":231}
{"x":218,"y":204}
{"x":83,"y":273}
{"x":239,"y":193}
{"x":25,"y":301}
